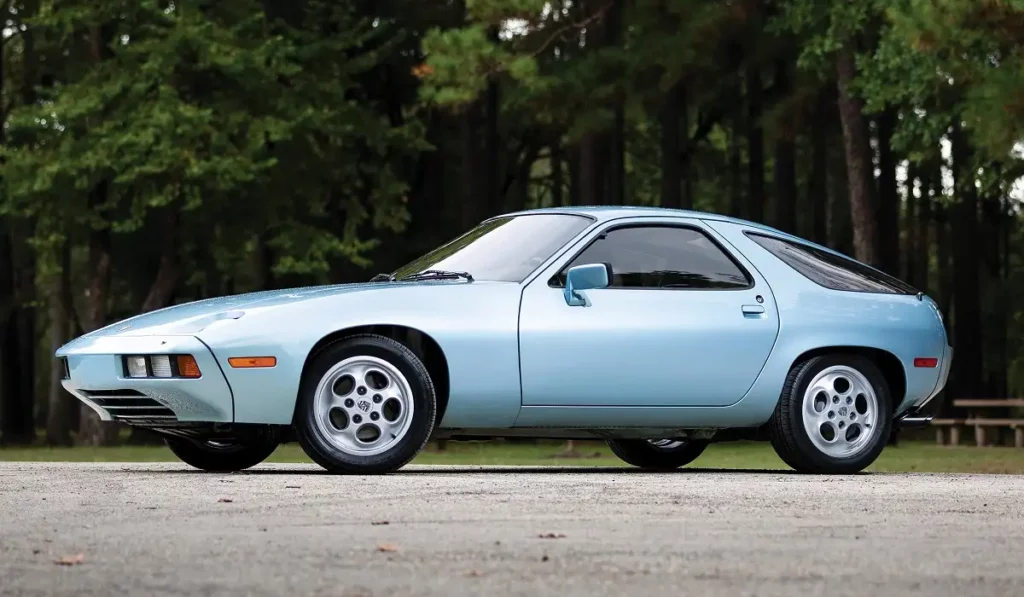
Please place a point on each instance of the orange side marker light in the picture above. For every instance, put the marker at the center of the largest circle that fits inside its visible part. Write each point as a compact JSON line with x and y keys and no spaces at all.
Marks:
{"x":187,"y":366}
{"x":252,"y":362}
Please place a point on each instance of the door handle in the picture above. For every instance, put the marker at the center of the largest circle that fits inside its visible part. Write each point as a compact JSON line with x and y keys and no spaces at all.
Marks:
{"x":753,"y":309}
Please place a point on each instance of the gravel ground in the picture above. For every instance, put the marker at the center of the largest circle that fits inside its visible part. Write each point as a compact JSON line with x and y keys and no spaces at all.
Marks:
{"x":162,"y":529}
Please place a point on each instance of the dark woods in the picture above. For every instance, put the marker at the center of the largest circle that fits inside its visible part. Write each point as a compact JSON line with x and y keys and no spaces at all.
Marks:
{"x":156,"y":152}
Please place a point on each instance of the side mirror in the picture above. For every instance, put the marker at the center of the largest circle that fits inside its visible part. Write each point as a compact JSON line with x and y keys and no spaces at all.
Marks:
{"x":585,"y":277}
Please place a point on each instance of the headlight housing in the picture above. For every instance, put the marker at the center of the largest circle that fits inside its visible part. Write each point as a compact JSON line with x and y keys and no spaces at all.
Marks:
{"x":162,"y":366}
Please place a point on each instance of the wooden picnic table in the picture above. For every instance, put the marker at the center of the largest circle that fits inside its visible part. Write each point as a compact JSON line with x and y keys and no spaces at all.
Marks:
{"x":979,"y":422}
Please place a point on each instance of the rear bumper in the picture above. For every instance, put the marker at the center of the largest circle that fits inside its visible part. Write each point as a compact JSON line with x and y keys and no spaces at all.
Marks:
{"x":95,"y":375}
{"x":940,"y":383}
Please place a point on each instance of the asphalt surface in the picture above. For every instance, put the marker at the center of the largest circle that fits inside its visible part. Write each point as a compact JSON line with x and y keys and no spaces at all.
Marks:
{"x":159,"y":529}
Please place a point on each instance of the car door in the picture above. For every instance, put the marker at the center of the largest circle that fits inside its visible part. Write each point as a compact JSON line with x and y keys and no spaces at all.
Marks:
{"x":684,"y":322}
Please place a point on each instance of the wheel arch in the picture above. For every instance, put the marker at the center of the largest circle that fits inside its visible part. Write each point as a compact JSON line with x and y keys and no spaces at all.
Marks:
{"x":421,"y":343}
{"x":888,"y":363}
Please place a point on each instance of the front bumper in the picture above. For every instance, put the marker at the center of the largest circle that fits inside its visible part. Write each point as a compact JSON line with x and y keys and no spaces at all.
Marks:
{"x":95,"y":375}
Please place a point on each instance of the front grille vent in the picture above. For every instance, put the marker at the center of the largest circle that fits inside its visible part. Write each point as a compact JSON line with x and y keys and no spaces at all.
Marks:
{"x":130,"y":406}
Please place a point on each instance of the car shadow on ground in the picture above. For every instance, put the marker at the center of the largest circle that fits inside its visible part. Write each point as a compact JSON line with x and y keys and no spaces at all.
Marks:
{"x":442,"y":470}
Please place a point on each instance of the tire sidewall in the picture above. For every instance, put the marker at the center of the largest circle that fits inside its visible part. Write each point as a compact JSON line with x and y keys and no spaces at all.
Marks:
{"x":641,"y":453}
{"x":248,"y":454}
{"x":423,"y":399}
{"x":819,"y":460}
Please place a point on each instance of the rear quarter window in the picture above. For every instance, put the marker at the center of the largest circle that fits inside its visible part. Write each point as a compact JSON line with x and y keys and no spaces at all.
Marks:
{"x":830,"y":269}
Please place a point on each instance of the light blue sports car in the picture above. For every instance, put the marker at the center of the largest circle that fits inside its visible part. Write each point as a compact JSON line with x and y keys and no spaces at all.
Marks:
{"x":660,"y":331}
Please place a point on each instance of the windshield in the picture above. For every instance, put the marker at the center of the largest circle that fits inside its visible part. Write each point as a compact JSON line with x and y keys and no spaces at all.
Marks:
{"x":503,"y":249}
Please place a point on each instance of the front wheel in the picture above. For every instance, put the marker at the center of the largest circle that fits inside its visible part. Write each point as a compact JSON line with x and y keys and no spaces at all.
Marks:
{"x":223,"y":456}
{"x":366,"y":406}
{"x":834,"y":415}
{"x":660,"y":454}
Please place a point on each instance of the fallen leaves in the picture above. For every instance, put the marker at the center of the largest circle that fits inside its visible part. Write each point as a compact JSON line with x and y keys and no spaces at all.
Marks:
{"x":421,"y":71}
{"x":551,"y":536}
{"x":387,"y":547}
{"x":72,"y":560}
{"x":474,"y":573}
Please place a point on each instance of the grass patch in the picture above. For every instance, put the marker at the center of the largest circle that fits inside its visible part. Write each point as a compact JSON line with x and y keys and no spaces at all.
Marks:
{"x":907,"y":457}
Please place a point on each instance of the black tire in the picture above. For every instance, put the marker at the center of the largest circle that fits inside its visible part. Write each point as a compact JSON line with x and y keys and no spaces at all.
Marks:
{"x":424,"y":399}
{"x":644,"y":454}
{"x":223,"y":457}
{"x":786,"y":427}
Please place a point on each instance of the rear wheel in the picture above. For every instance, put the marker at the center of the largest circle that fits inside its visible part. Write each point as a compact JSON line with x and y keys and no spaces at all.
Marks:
{"x":663,"y":454}
{"x":223,"y":456}
{"x":834,"y":415}
{"x":366,"y":406}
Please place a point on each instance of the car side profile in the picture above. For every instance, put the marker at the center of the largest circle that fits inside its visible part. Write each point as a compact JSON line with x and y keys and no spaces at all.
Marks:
{"x":660,"y":331}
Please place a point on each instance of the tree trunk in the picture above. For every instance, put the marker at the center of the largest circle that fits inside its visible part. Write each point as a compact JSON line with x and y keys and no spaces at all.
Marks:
{"x":491,"y":198}
{"x":17,"y":425}
{"x":755,"y":147}
{"x":169,"y":271}
{"x":470,"y":211}
{"x":996,"y":323}
{"x":25,"y":277}
{"x":817,"y":179}
{"x":615,"y":193}
{"x":888,"y":196}
{"x":858,"y":161}
{"x":591,"y":170}
{"x":687,"y":171}
{"x":735,"y":173}
{"x":840,"y":230}
{"x":785,"y":160}
{"x":92,"y":431}
{"x":12,"y":416}
{"x":671,"y":175}
{"x":575,"y":192}
{"x":557,"y":183}
{"x":931,"y":178}
{"x":910,"y":226}
{"x":60,"y":403}
{"x":966,"y":302}
{"x":944,"y":266}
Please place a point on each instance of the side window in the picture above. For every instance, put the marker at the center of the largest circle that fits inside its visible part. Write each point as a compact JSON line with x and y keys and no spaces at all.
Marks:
{"x":830,"y":270}
{"x":661,"y":257}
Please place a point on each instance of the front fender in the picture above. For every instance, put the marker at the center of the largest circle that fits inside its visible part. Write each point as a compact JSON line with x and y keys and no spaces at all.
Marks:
{"x":475,"y":324}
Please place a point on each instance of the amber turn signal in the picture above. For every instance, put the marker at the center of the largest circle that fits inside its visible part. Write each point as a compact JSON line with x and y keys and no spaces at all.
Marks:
{"x":252,"y":362}
{"x":187,"y":366}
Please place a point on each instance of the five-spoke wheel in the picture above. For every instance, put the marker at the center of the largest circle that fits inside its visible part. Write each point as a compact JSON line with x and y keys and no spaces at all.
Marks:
{"x":366,"y":405}
{"x":840,"y":411}
{"x":834,"y":415}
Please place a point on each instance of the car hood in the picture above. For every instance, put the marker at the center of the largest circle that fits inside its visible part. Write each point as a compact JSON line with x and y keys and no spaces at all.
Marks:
{"x":191,"y":318}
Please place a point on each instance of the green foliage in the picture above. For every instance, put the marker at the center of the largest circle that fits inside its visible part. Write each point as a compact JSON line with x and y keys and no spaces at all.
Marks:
{"x":206,"y":109}
{"x":825,"y":26}
{"x":975,"y":45}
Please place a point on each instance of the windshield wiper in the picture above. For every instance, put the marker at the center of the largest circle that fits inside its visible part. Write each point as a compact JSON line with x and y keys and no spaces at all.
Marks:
{"x":438,"y":274}
{"x":383,"y":278}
